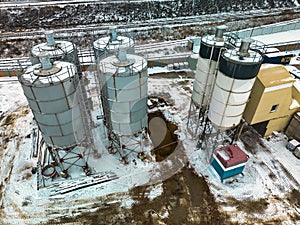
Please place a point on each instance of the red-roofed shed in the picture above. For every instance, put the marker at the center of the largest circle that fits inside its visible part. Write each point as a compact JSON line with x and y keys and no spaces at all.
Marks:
{"x":229,"y":161}
{"x":231,"y":155}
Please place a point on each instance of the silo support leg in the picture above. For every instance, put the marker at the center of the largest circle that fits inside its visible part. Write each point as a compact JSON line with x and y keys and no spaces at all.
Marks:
{"x":55,"y":157}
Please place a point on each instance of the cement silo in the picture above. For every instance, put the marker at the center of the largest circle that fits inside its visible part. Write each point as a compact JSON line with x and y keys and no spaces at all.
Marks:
{"x":124,"y":89}
{"x":237,"y":72}
{"x":58,"y":50}
{"x":206,"y":70}
{"x":210,"y":48}
{"x":51,"y":91}
{"x":110,"y":44}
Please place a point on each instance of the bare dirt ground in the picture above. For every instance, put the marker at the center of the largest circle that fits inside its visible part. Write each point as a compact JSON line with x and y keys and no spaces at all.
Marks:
{"x":186,"y":199}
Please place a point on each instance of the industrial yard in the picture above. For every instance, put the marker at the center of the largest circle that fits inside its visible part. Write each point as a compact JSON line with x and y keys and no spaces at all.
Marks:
{"x":106,"y":122}
{"x":171,"y":192}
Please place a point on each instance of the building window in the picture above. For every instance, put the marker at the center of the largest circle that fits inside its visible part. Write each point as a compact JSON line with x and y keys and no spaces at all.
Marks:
{"x":274,"y":108}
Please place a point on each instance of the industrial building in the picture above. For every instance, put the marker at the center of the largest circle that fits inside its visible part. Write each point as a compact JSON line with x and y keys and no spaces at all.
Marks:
{"x":123,"y":82}
{"x":274,"y":99}
{"x":57,"y":49}
{"x":226,"y":71}
{"x":226,"y":74}
{"x":54,"y":95}
{"x":238,"y":69}
{"x":122,"y":78}
{"x":206,"y":70}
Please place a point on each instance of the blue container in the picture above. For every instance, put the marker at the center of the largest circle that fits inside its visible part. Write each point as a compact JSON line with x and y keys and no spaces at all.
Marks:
{"x":229,"y":161}
{"x":227,"y":172}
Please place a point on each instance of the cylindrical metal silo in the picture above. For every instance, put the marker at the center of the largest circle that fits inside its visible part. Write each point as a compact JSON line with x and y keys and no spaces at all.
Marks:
{"x":51,"y":91}
{"x":109,"y":45}
{"x":57,"y":49}
{"x":238,"y":69}
{"x":124,"y":89}
{"x":210,"y":48}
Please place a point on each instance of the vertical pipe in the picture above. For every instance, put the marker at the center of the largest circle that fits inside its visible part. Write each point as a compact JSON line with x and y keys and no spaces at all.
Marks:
{"x":113,"y":33}
{"x":50,"y":38}
{"x":122,"y":56}
{"x":45,"y":61}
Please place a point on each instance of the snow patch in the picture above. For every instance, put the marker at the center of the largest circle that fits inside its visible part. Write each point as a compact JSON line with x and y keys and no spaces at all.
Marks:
{"x":155,"y":191}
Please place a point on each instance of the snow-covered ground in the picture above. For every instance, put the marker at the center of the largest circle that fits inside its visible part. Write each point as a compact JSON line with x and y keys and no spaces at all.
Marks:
{"x":19,"y":182}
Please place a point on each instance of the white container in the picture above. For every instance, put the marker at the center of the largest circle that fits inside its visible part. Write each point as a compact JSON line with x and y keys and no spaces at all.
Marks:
{"x":297,"y":152}
{"x":170,"y":66}
{"x":124,"y":89}
{"x":61,"y":50}
{"x":228,"y":102}
{"x":107,"y":46}
{"x":51,"y":95}
{"x":204,"y":78}
{"x":176,"y":66}
{"x":185,"y":65}
{"x":292,"y":144}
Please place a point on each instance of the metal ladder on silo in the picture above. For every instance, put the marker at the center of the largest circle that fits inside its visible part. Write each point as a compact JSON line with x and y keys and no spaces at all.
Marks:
{"x":98,"y":92}
{"x":87,"y":120}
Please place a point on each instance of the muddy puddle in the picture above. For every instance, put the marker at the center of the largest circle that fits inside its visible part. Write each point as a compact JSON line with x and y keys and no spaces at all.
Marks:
{"x":162,"y":135}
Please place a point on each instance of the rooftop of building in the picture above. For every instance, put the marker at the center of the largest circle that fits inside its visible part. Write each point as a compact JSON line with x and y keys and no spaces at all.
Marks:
{"x":273,"y":75}
{"x":231,"y":155}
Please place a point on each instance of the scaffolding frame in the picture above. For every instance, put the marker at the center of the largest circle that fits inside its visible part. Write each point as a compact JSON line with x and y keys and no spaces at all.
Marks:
{"x":82,"y":150}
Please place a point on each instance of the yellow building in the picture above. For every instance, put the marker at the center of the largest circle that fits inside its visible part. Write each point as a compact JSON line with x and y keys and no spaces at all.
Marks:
{"x":275,"y":97}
